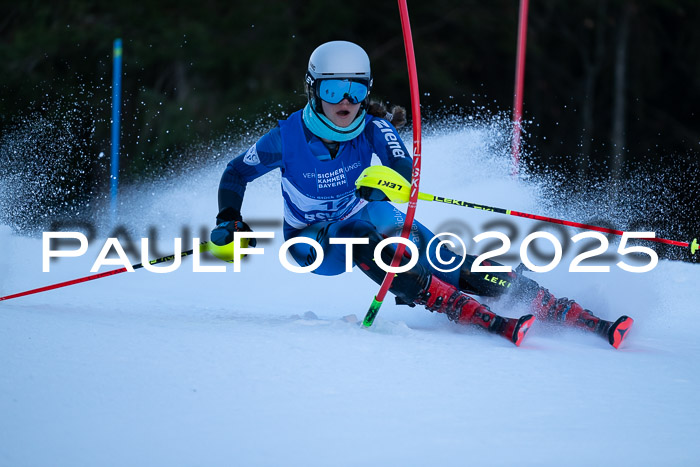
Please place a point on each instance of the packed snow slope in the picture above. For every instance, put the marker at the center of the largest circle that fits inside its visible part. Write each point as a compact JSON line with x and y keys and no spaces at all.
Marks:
{"x":266,"y":367}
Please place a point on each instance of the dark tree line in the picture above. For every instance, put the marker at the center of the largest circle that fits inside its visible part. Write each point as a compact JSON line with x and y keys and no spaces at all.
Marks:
{"x":610,"y":84}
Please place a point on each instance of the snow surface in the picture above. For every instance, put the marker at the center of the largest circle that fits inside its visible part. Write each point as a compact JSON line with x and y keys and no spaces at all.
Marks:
{"x":270,"y":368}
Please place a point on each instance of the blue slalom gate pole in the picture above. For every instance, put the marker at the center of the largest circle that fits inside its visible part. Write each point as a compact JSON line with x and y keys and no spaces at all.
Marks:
{"x":116,"y":115}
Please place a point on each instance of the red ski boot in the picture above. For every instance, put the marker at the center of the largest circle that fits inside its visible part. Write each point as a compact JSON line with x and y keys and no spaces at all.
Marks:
{"x":568,"y":312}
{"x":459,"y":307}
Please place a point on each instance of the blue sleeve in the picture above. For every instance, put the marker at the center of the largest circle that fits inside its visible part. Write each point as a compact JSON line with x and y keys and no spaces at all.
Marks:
{"x":259,"y":159}
{"x":389,"y":147}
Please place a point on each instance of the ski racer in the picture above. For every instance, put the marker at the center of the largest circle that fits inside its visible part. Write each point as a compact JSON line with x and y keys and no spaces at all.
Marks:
{"x":320,"y":151}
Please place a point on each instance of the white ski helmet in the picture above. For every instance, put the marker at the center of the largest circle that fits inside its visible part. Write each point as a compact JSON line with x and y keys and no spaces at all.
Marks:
{"x":337,"y":60}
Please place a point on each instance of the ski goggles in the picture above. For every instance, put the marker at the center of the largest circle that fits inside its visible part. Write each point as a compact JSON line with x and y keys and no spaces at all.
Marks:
{"x":335,"y":90}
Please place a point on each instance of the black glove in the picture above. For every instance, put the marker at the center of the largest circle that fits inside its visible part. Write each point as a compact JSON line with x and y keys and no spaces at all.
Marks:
{"x":223,"y":233}
{"x":371,"y":194}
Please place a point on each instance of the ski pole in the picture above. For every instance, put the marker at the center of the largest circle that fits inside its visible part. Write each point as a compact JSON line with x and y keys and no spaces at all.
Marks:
{"x":413,"y":197}
{"x":204,"y":246}
{"x":396,"y":189}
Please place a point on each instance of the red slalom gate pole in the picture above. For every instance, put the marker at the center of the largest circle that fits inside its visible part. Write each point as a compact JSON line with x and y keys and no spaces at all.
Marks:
{"x":519,"y":84}
{"x":415,"y":177}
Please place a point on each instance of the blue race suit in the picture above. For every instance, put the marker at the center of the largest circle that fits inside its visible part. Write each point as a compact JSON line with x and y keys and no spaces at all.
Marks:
{"x":319,"y":191}
{"x":320,"y":204}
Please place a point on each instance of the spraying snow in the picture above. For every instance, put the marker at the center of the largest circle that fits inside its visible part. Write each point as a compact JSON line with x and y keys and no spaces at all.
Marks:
{"x":268,"y":367}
